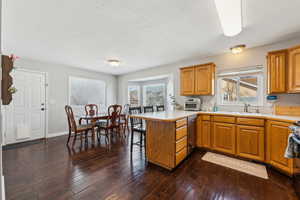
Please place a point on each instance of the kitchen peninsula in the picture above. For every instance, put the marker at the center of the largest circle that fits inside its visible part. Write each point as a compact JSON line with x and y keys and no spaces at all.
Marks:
{"x":170,"y":136}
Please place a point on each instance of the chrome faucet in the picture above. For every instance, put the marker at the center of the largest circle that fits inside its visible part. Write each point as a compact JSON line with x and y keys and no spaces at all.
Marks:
{"x":246,"y":107}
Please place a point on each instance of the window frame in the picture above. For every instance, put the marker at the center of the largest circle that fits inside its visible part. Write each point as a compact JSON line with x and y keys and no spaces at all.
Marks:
{"x":139,"y":93}
{"x":80,"y":108}
{"x":260,"y":84}
{"x":141,"y":84}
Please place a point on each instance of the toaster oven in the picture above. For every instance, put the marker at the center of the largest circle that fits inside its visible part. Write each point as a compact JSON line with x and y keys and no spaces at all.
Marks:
{"x":192,"y":104}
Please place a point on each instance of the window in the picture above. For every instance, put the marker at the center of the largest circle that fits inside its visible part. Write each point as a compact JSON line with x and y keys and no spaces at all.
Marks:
{"x":154,"y":94}
{"x":240,"y":89}
{"x":84,"y":91}
{"x":147,"y":93}
{"x":134,"y":95}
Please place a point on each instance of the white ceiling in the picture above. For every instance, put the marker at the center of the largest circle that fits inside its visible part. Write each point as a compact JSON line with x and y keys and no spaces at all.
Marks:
{"x":141,"y":33}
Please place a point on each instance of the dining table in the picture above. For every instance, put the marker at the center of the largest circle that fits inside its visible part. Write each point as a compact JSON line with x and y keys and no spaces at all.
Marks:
{"x":94,"y":118}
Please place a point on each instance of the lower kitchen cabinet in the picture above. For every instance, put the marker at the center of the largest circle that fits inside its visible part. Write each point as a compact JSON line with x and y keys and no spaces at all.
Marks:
{"x":224,"y":137}
{"x":258,"y":139}
{"x":206,"y":134}
{"x":277,"y":137}
{"x":250,"y":142}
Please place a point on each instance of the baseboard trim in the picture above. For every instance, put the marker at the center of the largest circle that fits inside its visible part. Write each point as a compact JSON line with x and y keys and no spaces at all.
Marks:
{"x":51,"y":135}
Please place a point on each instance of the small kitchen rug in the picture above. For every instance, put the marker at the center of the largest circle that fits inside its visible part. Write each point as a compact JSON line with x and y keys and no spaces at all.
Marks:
{"x":236,"y":164}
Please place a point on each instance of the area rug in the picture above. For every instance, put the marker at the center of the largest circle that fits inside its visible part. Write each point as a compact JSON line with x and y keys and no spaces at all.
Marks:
{"x":236,"y":164}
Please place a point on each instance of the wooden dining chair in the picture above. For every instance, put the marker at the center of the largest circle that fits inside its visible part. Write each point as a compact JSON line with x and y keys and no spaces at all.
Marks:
{"x":137,"y":126}
{"x":160,"y":108}
{"x":75,"y":129}
{"x":112,"y":122}
{"x":148,"y":109}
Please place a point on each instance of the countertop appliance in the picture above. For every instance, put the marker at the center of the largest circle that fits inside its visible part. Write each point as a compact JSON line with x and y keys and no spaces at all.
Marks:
{"x":192,"y":104}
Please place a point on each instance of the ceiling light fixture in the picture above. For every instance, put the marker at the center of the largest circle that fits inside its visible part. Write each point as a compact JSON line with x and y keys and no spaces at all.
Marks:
{"x":113,"y":62}
{"x":230,"y":14}
{"x":238,"y":49}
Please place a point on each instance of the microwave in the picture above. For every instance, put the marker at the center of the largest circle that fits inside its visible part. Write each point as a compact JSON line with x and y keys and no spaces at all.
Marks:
{"x":192,"y":104}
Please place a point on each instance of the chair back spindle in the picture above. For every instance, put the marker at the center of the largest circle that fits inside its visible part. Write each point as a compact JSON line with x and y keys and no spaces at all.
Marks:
{"x":135,"y":121}
{"x":91,"y":109}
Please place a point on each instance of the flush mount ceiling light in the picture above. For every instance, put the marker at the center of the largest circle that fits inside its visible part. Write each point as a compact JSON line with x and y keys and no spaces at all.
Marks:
{"x":238,"y":49}
{"x":114,"y":62}
{"x":230,"y":14}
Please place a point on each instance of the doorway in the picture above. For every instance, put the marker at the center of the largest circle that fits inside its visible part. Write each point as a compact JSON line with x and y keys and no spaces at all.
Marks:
{"x":26,"y":117}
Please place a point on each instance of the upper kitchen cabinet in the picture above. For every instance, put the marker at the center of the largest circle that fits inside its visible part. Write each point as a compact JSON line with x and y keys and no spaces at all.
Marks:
{"x":277,"y":69}
{"x":198,"y":80}
{"x":204,"y":79}
{"x":294,"y":70}
{"x":187,"y":81}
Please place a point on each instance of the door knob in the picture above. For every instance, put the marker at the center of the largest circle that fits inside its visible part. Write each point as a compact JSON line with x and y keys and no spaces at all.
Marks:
{"x":42,"y":109}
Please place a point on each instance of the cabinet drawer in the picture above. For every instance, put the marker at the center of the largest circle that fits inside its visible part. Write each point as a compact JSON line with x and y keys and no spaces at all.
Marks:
{"x":181,"y":122}
{"x":181,"y":132}
{"x":180,"y":144}
{"x":181,"y":155}
{"x":206,"y":117}
{"x":250,"y":121}
{"x":226,"y":119}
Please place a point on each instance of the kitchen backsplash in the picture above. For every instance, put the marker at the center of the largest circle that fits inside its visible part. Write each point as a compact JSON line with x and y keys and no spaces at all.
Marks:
{"x":283,"y":99}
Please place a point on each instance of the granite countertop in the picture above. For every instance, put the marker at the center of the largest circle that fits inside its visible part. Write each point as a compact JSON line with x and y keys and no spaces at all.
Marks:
{"x":178,"y":114}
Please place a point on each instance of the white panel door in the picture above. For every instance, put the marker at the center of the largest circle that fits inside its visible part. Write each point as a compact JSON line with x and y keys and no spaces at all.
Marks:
{"x":25,"y":116}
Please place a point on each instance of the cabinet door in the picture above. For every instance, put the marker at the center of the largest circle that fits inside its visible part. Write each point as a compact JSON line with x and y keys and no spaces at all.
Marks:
{"x":294,"y":70}
{"x":199,"y":131}
{"x":224,"y":137}
{"x":277,"y":141}
{"x":206,"y":135}
{"x":250,"y":142}
{"x":187,"y":81}
{"x":204,"y":79}
{"x":277,"y":66}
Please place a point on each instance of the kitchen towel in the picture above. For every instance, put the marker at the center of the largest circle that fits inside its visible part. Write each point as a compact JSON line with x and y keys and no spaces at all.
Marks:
{"x":293,"y":147}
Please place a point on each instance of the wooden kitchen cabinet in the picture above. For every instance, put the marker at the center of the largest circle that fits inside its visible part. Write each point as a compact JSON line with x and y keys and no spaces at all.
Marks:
{"x":294,"y":70}
{"x":197,"y":80}
{"x":199,"y":131}
{"x":224,"y":137}
{"x":187,"y":81}
{"x":206,"y":135}
{"x":277,"y":136}
{"x":277,"y":70}
{"x":167,"y":142}
{"x":204,"y":79}
{"x":250,"y":142}
{"x":253,"y":138}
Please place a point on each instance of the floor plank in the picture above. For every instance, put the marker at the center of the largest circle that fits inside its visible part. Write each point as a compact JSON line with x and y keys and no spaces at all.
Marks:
{"x":49,"y":170}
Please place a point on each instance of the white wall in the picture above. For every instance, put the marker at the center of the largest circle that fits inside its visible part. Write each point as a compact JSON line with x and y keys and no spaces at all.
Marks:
{"x":2,"y":193}
{"x":58,"y":80}
{"x":250,"y":57}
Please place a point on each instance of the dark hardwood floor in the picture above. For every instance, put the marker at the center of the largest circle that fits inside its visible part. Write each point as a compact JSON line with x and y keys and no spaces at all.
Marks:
{"x":49,"y":170}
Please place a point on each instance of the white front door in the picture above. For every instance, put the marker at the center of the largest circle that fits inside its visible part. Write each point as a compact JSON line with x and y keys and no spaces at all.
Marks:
{"x":25,"y":116}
